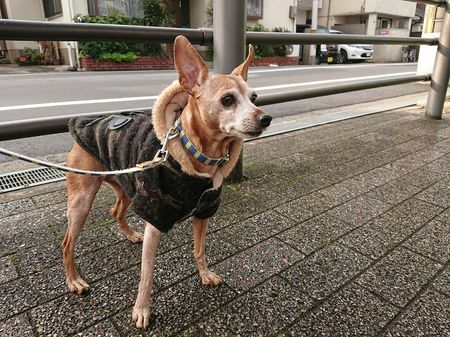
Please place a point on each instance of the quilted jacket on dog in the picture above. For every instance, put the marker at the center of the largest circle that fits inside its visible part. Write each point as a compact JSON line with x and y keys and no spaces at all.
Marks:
{"x":162,"y":195}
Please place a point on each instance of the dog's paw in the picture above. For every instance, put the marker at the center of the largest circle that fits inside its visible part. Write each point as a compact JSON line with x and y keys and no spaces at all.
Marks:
{"x":77,"y":285}
{"x":134,"y":236}
{"x":210,"y":278}
{"x":141,"y":318}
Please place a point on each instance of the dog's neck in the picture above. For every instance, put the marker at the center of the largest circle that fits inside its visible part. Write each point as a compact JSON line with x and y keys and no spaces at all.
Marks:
{"x":205,"y":139}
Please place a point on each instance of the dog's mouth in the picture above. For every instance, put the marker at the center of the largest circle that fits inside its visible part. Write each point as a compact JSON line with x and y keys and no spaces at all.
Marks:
{"x":253,"y":133}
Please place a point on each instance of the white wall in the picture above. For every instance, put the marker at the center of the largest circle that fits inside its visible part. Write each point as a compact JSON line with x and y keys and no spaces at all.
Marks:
{"x":198,"y":13}
{"x":276,"y":14}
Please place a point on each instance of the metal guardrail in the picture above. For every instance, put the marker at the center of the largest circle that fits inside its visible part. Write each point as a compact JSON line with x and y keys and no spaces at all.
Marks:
{"x":21,"y":30}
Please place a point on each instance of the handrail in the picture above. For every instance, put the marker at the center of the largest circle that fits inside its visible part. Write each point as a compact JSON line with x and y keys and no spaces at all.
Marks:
{"x":22,"y":30}
{"x":50,"y":125}
{"x":25,"y":30}
{"x":318,"y":38}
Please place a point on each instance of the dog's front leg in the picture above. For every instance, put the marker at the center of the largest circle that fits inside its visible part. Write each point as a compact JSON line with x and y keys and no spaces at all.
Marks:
{"x":207,"y":276}
{"x":141,"y":310}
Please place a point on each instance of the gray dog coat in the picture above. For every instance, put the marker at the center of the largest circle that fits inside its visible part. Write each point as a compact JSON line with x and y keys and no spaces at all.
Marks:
{"x":163,"y":195}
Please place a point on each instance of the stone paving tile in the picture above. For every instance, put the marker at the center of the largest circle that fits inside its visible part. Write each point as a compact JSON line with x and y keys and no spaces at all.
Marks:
{"x":321,"y":274}
{"x":442,"y":282}
{"x":370,"y":242}
{"x":440,"y":165}
{"x":258,"y":228}
{"x":315,"y":233}
{"x":433,"y":241}
{"x":7,"y":270}
{"x":16,"y":206}
{"x":359,"y":210}
{"x":351,"y":312}
{"x":428,"y":316}
{"x":437,"y":194}
{"x":414,"y":161}
{"x":38,"y":258}
{"x":21,"y":294}
{"x":177,"y":307}
{"x":262,"y":311}
{"x":378,"y":176}
{"x":394,"y":192}
{"x":413,"y":213}
{"x":306,"y":207}
{"x":103,"y":329}
{"x":399,"y":276}
{"x":347,"y":189}
{"x":28,"y":229}
{"x":174,"y":265}
{"x":422,"y":177}
{"x":442,"y":146}
{"x":108,"y":260}
{"x":48,"y":199}
{"x":72,"y":313}
{"x":256,"y":264}
{"x":16,"y":326}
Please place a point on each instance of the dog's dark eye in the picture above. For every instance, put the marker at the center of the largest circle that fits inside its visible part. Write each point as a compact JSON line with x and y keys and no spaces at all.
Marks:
{"x":253,"y":98}
{"x":227,"y":100}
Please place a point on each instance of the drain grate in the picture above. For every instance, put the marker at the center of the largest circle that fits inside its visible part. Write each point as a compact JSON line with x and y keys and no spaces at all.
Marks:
{"x":27,"y":178}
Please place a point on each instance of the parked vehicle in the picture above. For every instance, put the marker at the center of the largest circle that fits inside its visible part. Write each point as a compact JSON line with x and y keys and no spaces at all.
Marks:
{"x":353,"y":52}
{"x":338,"y":53}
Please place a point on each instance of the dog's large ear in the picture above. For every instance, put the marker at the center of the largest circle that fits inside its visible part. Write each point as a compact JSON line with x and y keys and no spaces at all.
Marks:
{"x":191,"y":68}
{"x":242,"y":69}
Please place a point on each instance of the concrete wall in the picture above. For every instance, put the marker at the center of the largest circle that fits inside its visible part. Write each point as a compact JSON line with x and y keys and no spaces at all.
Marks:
{"x":276,"y":14}
{"x":23,"y":10}
{"x":389,"y":53}
{"x":198,"y":13}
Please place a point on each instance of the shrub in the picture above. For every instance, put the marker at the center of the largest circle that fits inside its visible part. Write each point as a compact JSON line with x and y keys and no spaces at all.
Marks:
{"x":31,"y":57}
{"x":155,"y":14}
{"x":117,"y":57}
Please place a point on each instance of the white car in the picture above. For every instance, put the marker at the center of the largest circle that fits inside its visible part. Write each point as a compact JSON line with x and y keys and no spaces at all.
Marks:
{"x":353,"y":52}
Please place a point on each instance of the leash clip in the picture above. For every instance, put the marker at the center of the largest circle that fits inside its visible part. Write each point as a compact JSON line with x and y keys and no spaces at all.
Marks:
{"x":162,"y":153}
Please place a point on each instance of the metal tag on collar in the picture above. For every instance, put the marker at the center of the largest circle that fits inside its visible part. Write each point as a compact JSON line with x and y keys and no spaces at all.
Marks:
{"x":224,"y":160}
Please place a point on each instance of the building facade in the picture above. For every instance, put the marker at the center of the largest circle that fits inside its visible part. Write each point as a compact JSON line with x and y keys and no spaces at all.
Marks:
{"x":370,"y":17}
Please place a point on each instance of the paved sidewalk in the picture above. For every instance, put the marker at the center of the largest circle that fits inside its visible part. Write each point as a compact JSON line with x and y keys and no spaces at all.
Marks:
{"x":339,"y":230}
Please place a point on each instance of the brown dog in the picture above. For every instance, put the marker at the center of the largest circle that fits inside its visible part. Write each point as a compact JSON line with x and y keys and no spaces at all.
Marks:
{"x":217,"y":112}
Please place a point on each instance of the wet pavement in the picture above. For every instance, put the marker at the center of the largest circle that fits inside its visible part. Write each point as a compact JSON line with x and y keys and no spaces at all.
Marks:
{"x":338,"y":230}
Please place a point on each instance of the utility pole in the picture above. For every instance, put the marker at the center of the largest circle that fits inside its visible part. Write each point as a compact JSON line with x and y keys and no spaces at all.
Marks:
{"x":229,"y":21}
{"x":314,"y":15}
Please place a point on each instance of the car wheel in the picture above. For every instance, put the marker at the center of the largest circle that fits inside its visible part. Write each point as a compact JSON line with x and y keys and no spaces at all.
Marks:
{"x":343,"y":57}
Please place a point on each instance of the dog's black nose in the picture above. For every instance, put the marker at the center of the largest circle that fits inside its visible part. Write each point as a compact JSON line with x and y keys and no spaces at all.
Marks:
{"x":265,"y":120}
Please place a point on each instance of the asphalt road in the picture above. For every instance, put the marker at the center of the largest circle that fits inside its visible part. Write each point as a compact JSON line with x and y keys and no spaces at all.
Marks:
{"x":25,"y":96}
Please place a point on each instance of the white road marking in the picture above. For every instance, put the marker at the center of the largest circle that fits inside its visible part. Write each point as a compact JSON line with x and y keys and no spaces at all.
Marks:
{"x":149,"y":98}
{"x":348,"y":79}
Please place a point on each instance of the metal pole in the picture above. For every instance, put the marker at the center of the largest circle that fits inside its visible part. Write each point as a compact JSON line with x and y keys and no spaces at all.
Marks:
{"x":441,"y":71}
{"x":229,"y":21}
{"x":314,"y":15}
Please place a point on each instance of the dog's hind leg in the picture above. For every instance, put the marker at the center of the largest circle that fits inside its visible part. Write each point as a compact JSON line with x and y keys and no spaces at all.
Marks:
{"x":208,"y":277}
{"x":119,"y":212}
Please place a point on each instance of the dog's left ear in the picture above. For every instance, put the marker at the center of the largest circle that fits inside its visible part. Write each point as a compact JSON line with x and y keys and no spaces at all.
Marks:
{"x":191,"y":68}
{"x":242,"y":70}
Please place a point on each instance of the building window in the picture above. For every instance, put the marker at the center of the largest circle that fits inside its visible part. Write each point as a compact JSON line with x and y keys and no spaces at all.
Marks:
{"x":52,"y":8}
{"x":383,"y":23}
{"x":254,"y":9}
{"x":131,"y":8}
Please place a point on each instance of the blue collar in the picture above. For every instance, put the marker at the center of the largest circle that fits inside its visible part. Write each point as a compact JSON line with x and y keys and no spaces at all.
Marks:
{"x":193,"y":150}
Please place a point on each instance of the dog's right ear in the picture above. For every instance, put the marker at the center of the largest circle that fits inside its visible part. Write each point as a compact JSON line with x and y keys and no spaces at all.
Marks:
{"x":191,"y":68}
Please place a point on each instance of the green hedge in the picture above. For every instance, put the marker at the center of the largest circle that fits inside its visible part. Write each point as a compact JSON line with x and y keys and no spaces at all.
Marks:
{"x":155,"y":14}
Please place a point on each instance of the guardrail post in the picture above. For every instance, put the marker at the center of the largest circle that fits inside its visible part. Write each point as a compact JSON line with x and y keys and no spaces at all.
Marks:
{"x":441,"y":71}
{"x":229,"y":21}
